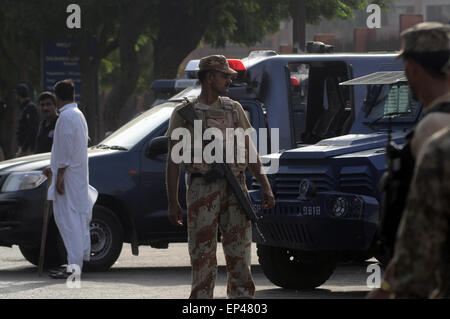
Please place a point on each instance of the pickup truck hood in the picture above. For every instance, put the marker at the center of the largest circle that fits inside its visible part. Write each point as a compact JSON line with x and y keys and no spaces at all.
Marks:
{"x":342,"y":145}
{"x":39,"y":161}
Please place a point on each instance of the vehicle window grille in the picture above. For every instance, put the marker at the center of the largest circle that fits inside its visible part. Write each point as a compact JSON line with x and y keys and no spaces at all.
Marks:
{"x":287,"y":185}
{"x":292,"y":233}
{"x":357,"y":180}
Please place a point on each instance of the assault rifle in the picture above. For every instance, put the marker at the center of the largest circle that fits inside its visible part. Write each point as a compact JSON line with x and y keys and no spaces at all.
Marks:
{"x":219,"y":170}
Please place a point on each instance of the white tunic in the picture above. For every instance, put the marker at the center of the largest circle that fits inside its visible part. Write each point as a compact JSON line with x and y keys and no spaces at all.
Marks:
{"x":73,"y":209}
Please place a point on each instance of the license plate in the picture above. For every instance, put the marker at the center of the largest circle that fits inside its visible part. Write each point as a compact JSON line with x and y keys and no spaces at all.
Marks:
{"x":310,"y":210}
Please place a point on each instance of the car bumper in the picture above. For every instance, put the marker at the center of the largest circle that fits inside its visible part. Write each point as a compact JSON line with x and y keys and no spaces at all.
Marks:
{"x":21,"y":215}
{"x":328,"y":222}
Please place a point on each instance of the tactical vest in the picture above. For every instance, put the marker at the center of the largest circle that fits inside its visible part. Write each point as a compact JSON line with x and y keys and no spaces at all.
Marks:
{"x":396,"y":183}
{"x":225,"y":117}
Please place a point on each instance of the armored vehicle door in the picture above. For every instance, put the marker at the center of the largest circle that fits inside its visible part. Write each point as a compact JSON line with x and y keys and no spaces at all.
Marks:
{"x":320,"y":107}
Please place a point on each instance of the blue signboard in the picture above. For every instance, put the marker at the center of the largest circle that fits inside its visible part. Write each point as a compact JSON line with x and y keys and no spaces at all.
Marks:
{"x":59,"y":64}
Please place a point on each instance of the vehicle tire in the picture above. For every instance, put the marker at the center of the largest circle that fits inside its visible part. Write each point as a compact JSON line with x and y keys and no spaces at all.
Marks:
{"x":293,"y":269}
{"x":52,"y":258}
{"x":106,"y":240}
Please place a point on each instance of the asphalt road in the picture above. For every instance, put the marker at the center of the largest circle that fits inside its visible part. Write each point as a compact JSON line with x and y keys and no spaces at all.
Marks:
{"x":160,"y":274}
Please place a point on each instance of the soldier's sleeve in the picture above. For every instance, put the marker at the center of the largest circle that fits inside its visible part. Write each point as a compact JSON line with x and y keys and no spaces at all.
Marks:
{"x":243,"y":119}
{"x":415,"y":271}
{"x":175,"y":121}
{"x":250,"y":145}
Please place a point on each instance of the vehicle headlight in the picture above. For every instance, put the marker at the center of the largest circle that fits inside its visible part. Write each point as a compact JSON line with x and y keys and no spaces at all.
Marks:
{"x":23,"y":181}
{"x":339,"y":207}
{"x":351,"y":207}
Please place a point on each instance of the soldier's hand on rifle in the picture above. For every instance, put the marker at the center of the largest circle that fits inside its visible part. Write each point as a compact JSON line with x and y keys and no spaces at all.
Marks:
{"x":268,"y":200}
{"x":175,"y":214}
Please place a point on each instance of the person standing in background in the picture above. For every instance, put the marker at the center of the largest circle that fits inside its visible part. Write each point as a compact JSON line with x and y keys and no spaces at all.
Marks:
{"x":44,"y":138}
{"x":28,"y":122}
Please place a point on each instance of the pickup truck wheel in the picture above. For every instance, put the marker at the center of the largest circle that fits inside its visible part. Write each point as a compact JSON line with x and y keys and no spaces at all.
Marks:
{"x":106,"y":240}
{"x":293,"y":269}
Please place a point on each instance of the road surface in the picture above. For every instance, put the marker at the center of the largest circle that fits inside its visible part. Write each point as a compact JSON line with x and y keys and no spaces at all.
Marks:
{"x":160,"y":274}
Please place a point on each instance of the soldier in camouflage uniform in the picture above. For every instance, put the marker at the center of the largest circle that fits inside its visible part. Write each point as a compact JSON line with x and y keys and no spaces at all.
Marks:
{"x":211,"y":204}
{"x":426,"y":56}
{"x":425,"y":53}
{"x":420,"y":266}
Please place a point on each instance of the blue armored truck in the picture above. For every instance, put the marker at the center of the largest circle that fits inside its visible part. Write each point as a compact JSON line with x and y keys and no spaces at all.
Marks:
{"x":299,"y":95}
{"x":327,"y":194}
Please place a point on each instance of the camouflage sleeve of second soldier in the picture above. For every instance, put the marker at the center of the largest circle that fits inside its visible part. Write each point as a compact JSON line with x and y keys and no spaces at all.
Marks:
{"x":415,"y":271}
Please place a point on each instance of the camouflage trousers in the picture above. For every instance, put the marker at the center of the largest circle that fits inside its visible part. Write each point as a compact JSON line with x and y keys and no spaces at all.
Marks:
{"x":212,"y":206}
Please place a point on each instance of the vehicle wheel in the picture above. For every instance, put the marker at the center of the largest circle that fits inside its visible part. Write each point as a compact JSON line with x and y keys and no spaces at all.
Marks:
{"x":53,"y":258}
{"x":293,"y":269}
{"x":106,"y":240}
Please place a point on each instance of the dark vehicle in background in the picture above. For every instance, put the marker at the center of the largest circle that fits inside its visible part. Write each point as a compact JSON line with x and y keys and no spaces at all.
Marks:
{"x":165,"y":89}
{"x":327,"y":194}
{"x":297,"y":94}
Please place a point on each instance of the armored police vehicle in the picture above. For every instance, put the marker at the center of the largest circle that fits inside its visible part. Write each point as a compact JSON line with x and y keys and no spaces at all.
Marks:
{"x":327,"y":195}
{"x":297,"y":94}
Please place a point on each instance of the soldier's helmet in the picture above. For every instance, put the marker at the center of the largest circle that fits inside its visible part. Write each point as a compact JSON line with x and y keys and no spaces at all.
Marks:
{"x":427,"y":37}
{"x":216,"y":63}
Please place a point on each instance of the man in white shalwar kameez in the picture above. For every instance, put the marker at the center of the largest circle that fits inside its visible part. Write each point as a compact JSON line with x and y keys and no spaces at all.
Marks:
{"x":73,"y":198}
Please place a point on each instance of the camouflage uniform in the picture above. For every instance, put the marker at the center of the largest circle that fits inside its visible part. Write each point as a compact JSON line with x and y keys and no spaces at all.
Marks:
{"x":425,"y":41}
{"x":420,"y":267}
{"x":421,"y":264}
{"x":212,"y":206}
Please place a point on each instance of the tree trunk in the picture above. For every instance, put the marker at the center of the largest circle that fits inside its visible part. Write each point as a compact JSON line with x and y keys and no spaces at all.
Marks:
{"x":129,"y":75}
{"x":299,"y":25}
{"x":89,"y":66}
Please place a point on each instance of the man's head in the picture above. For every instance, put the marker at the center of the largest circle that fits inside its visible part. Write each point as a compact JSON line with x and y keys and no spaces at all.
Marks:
{"x":47,"y":103}
{"x":22,"y":92}
{"x":64,"y":92}
{"x":215,"y":73}
{"x":426,"y":55}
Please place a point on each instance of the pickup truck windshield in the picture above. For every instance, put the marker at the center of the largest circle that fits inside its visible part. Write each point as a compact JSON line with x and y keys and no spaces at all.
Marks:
{"x":135,"y":130}
{"x":383,"y":100}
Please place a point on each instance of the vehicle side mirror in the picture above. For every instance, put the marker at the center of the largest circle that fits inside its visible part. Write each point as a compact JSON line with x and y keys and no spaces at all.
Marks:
{"x":157,"y":146}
